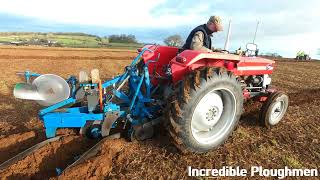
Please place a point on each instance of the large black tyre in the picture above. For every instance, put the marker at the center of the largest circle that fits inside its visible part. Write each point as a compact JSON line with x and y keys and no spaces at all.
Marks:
{"x":274,"y":109}
{"x":198,"y":132}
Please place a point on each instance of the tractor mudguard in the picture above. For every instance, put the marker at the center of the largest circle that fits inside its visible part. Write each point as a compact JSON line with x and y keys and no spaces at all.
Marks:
{"x":158,"y":60}
{"x":189,"y":60}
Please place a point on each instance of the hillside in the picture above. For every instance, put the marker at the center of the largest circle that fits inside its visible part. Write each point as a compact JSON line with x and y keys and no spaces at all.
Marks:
{"x":78,"y":40}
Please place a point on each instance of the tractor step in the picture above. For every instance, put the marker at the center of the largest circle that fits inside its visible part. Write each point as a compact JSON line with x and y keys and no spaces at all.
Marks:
{"x":92,"y":151}
{"x":27,"y":152}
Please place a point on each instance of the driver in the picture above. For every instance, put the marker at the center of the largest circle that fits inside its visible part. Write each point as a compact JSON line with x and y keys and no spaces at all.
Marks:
{"x":200,"y":37}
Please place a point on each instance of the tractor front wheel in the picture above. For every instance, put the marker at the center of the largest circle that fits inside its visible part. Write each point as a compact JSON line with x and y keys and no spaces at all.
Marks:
{"x":205,"y":109}
{"x":274,"y":109}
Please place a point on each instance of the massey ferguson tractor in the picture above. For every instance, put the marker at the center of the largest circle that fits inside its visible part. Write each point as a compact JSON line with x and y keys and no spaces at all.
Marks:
{"x":197,"y":96}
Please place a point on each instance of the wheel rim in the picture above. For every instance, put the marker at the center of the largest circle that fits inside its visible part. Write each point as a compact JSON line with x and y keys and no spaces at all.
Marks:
{"x":276,"y":112}
{"x":214,"y":116}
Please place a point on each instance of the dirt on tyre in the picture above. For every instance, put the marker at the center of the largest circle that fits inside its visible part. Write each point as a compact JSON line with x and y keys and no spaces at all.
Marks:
{"x":274,"y":109}
{"x":205,"y":109}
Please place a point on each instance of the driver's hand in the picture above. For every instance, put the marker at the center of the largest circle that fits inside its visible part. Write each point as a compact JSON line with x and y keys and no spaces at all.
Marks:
{"x":220,"y":51}
{"x":216,"y":49}
{"x":224,"y":51}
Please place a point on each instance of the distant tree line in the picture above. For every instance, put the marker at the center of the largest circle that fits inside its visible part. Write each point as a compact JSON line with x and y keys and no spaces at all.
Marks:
{"x":271,"y":54}
{"x":49,"y":33}
{"x":122,"y":38}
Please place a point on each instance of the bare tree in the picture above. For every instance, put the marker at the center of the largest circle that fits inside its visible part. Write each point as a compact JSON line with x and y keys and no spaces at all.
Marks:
{"x":174,"y":40}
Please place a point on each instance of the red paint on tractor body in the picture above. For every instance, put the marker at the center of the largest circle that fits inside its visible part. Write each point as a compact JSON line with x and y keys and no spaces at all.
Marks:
{"x":162,"y":55}
{"x":183,"y":63}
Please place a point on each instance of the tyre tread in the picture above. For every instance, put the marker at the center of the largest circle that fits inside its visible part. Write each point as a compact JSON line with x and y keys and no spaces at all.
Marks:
{"x":182,"y":96}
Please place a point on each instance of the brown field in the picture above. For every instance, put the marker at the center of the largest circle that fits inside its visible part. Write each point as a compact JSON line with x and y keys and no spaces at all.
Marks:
{"x":295,"y":142}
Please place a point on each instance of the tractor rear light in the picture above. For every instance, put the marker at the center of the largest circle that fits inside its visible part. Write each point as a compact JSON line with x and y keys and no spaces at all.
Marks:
{"x":263,"y":98}
{"x":181,"y":59}
{"x":246,"y":94}
{"x":139,"y":50}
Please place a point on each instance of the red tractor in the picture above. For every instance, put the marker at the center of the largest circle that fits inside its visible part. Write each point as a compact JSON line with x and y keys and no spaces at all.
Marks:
{"x":205,"y":93}
{"x":199,"y":96}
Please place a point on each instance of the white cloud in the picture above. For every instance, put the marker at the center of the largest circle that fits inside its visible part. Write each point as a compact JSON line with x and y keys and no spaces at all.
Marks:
{"x":286,"y":26}
{"x":119,"y":13}
{"x":289,"y":45}
{"x":89,"y":12}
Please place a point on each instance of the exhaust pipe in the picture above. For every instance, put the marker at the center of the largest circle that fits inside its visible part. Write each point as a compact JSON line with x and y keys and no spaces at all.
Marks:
{"x":226,"y":45}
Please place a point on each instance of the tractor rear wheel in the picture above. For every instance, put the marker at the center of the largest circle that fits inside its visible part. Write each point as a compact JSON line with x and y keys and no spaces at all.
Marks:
{"x":274,"y":109}
{"x":205,"y":109}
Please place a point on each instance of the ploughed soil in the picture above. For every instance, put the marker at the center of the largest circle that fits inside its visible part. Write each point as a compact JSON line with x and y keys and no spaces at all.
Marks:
{"x":295,"y":142}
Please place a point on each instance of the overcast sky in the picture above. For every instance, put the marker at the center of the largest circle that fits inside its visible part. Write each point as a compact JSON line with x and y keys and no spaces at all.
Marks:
{"x":285,"y":27}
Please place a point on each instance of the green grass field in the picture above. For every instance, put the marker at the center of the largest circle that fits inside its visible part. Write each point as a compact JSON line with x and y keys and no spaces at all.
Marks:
{"x":67,"y":40}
